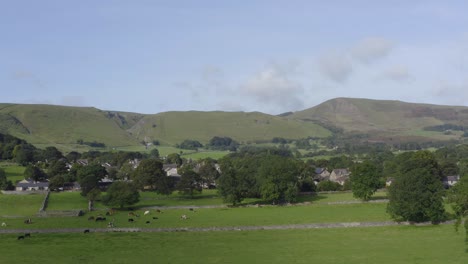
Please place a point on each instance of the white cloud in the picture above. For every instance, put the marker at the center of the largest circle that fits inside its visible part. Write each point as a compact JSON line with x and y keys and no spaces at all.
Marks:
{"x":397,"y":73}
{"x":336,"y":66}
{"x":274,"y":88}
{"x":372,"y":49}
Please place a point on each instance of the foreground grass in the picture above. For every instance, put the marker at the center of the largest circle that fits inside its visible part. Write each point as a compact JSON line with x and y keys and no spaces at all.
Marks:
{"x":338,"y":197}
{"x":220,"y":217}
{"x":401,"y":244}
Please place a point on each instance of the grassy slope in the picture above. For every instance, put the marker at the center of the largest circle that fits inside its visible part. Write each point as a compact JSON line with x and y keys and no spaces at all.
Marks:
{"x":403,"y":244}
{"x":174,"y":127}
{"x":48,"y":124}
{"x":385,"y":117}
{"x":62,"y":126}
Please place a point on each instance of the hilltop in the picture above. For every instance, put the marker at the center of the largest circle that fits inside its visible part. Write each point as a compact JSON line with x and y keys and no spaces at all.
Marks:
{"x":64,"y":125}
{"x":377,"y":120}
{"x":386,"y":119}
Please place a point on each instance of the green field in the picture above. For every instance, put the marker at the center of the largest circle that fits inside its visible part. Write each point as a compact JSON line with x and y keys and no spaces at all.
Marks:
{"x":13,"y":172}
{"x":401,"y":244}
{"x":20,"y":205}
{"x":396,"y":244}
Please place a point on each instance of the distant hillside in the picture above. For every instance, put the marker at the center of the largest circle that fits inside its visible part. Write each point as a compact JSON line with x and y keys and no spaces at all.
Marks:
{"x":377,"y":120}
{"x":174,"y":127}
{"x":388,"y":119}
{"x":51,"y":125}
{"x":48,"y":124}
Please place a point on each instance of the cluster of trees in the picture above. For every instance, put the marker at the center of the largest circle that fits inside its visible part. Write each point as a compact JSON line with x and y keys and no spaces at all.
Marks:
{"x":445,"y":127}
{"x":5,"y":184}
{"x":190,"y":144}
{"x":223,"y":143}
{"x":93,"y":144}
{"x":268,"y":173}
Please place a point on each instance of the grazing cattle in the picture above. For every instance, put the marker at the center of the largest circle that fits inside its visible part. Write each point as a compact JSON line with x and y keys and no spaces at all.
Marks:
{"x":20,"y":237}
{"x":154,"y":217}
{"x":86,"y":231}
{"x":131,"y":220}
{"x":28,"y":221}
{"x":146,"y":212}
{"x":191,"y":209}
{"x":100,"y":218}
{"x":27,"y":235}
{"x":90,"y":218}
{"x":3,"y":224}
{"x":148,"y":222}
{"x":158,"y":211}
{"x":110,"y":225}
{"x":183,"y":217}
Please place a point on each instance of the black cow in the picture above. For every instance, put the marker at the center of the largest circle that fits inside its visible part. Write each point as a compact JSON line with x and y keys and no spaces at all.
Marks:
{"x":27,"y":235}
{"x":148,"y":222}
{"x":86,"y":231}
{"x":20,"y":237}
{"x":131,"y":220}
{"x":99,"y":218}
{"x":154,"y":217}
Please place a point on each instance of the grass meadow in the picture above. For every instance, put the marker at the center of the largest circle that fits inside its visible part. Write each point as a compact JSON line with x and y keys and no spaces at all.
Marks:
{"x":398,"y":244}
{"x":395,"y":244}
{"x":13,"y":171}
{"x":20,"y":205}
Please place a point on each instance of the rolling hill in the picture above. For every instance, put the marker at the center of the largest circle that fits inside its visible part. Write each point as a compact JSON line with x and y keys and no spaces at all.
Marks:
{"x":385,"y":119}
{"x":64,"y":125}
{"x":379,"y":120}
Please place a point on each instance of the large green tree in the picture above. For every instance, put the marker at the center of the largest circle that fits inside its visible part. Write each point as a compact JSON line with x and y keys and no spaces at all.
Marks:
{"x":190,"y":182}
{"x":458,"y":197}
{"x":34,"y":173}
{"x":278,"y":179}
{"x":237,"y":180}
{"x":208,"y":172}
{"x":254,"y":173}
{"x":365,"y":180}
{"x":88,"y":178}
{"x":150,"y":176}
{"x":416,"y":196}
{"x":5,"y":184}
{"x":121,"y":194}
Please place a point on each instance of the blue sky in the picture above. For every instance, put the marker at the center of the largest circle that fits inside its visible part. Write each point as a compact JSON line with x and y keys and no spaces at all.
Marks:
{"x":268,"y":56}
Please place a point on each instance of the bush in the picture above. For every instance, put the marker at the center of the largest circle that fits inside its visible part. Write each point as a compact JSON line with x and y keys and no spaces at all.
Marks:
{"x":328,"y":186}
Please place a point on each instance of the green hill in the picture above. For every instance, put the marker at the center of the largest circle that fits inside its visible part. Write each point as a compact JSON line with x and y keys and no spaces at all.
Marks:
{"x":49,"y":124}
{"x":380,"y":120}
{"x":45,"y":125}
{"x":174,"y":127}
{"x":383,"y":119}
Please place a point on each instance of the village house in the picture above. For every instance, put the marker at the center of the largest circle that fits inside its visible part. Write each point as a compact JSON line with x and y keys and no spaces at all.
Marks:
{"x":450,"y":181}
{"x":339,"y":175}
{"x":30,"y":185}
{"x":321,"y":174}
{"x":171,"y":170}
